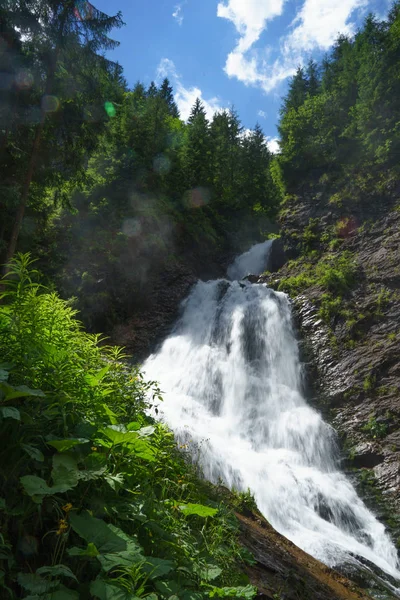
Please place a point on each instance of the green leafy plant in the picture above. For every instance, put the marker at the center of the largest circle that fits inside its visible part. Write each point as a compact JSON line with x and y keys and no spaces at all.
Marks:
{"x":375,"y":429}
{"x":122,"y":514}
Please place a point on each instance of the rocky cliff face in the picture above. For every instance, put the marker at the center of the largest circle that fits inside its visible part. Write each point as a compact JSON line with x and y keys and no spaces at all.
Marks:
{"x":352,"y":350}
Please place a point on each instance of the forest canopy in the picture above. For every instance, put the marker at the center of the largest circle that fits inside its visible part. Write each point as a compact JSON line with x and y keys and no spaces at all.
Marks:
{"x":105,"y":183}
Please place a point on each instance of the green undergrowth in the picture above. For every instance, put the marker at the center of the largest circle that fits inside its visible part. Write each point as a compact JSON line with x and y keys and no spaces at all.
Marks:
{"x":334,"y":274}
{"x":96,"y":501}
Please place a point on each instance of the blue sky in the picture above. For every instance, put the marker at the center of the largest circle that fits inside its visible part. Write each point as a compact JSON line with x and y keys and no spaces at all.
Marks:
{"x":230,"y":52}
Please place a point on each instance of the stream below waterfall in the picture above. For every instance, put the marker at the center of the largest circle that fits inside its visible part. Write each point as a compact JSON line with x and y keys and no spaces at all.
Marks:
{"x":232,"y":384}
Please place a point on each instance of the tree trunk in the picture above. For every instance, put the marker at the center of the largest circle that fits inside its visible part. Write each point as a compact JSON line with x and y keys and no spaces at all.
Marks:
{"x":12,"y":244}
{"x":25,"y":192}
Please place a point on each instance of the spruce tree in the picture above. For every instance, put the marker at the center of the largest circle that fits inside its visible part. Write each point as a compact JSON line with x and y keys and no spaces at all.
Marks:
{"x":57,"y":31}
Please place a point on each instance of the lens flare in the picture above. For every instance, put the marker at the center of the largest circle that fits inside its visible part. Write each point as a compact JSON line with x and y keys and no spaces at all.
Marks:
{"x":24,"y":79}
{"x":50,"y":103}
{"x":110,"y":109}
{"x":83,"y":10}
{"x":131,"y":227}
{"x":161,"y":164}
{"x":197,"y":197}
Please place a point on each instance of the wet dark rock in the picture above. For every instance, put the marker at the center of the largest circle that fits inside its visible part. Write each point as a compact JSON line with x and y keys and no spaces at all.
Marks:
{"x":368,"y":576}
{"x":352,"y":364}
{"x":148,"y":327}
{"x":277,"y":256}
{"x":366,"y":456}
{"x":282,"y":570}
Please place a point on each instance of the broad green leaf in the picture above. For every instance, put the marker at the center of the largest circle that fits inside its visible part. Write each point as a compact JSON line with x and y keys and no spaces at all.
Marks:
{"x":36,"y":584}
{"x":198,"y":509}
{"x":94,"y":466}
{"x":107,"y":591}
{"x":22,"y":391}
{"x":9,"y":412}
{"x":33,"y":452}
{"x":116,"y":436}
{"x":157,"y":567}
{"x":2,"y":504}
{"x":131,"y":542}
{"x":208,"y":572}
{"x":85,"y":430}
{"x":146,"y":431}
{"x":90,"y":551}
{"x":168,"y":588}
{"x":95,"y":461}
{"x":94,"y":380}
{"x":56,"y":571}
{"x":64,"y":445}
{"x":110,"y":414}
{"x":134,"y":426}
{"x":132,"y":555}
{"x":97,"y":532}
{"x":141,"y":447}
{"x":120,"y":559}
{"x":65,"y":473}
{"x":36,"y":486}
{"x":115,"y":481}
{"x":246,"y":593}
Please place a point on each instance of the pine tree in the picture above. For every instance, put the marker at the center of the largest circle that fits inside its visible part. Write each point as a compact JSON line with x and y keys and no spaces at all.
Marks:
{"x":166,"y":93}
{"x":59,"y":30}
{"x":196,"y":149}
{"x":313,"y":80}
{"x":152,"y":90}
{"x":297,"y":93}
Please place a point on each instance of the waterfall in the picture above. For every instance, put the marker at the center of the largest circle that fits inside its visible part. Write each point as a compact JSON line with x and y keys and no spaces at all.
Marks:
{"x":232,"y":383}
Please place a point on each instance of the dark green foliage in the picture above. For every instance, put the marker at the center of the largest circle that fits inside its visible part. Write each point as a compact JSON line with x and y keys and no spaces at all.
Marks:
{"x":54,"y":106}
{"x":375,"y":429}
{"x":109,"y":186}
{"x":341,"y":120}
{"x":95,"y":499}
{"x":157,"y":188}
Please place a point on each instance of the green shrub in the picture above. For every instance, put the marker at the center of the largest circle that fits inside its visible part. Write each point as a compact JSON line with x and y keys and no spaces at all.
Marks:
{"x":374,"y":429}
{"x":369,"y":382}
{"x":95,"y":498}
{"x":330,"y":307}
{"x":337,"y":273}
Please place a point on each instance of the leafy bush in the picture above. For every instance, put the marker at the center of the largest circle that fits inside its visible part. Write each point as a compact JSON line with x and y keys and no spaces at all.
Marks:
{"x":330,"y":307}
{"x":375,"y":429}
{"x":335,"y":273}
{"x":95,"y":499}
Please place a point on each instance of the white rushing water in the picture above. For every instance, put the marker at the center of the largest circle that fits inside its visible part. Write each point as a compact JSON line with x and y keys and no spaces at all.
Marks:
{"x":231,"y":378}
{"x":252,"y":262}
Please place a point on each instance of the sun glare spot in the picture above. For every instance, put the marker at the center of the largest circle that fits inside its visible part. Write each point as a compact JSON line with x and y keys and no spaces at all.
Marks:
{"x":110,"y":109}
{"x":24,"y":79}
{"x":50,"y":103}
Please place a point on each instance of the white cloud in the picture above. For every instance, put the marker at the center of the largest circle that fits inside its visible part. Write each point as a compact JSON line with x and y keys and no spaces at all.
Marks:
{"x":273,"y":145}
{"x":177,"y":14}
{"x":315,"y":26}
{"x":186,"y":97}
{"x":319,"y":22}
{"x":262,"y":114}
{"x":250,"y":18}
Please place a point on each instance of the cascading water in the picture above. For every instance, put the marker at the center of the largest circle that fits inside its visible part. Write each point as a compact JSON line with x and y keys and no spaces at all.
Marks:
{"x":231,"y":378}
